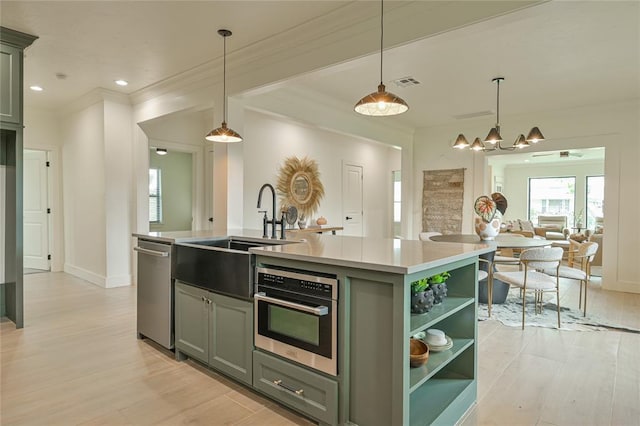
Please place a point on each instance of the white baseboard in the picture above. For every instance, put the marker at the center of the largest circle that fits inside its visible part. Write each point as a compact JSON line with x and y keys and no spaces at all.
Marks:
{"x":92,"y":277}
{"x":99,"y":280}
{"x":118,"y":281}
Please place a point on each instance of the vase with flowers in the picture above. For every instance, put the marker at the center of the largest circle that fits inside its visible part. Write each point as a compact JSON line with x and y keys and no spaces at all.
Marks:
{"x":487,"y":225}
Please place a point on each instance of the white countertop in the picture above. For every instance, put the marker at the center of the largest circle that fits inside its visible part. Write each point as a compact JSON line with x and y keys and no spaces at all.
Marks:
{"x":377,"y":254}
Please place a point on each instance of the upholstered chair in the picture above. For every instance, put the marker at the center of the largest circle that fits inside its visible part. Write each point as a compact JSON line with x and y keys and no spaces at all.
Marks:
{"x":552,"y":227}
{"x":530,"y":278}
{"x":579,"y":269}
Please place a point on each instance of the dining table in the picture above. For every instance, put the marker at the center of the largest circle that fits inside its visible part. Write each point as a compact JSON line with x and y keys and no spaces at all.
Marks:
{"x":503,"y":241}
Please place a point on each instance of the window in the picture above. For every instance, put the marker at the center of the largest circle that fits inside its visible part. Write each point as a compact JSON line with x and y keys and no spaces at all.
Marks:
{"x":552,"y":196}
{"x":155,"y":196}
{"x":397,"y":201}
{"x":595,"y":200}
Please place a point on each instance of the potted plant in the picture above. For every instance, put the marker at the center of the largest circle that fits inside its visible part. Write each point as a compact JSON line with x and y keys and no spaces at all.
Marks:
{"x":438,"y":284}
{"x":421,"y":296}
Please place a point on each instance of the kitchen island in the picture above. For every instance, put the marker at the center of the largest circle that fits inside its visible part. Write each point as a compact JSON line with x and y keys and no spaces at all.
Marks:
{"x":373,"y":383}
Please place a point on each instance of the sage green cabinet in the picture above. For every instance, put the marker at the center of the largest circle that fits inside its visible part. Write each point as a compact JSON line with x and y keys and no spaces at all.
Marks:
{"x":376,"y":385}
{"x":192,"y":321}
{"x":214,"y":329}
{"x":10,"y":101}
{"x":299,"y":388}
{"x":12,"y":44}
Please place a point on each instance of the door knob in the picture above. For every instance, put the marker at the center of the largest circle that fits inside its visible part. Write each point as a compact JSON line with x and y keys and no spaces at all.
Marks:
{"x":348,"y":218}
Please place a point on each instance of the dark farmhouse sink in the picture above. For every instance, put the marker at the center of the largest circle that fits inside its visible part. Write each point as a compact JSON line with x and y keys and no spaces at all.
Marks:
{"x":222,"y":265}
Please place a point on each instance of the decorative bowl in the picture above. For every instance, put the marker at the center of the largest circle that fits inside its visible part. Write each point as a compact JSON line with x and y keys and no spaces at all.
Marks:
{"x":418,"y":352}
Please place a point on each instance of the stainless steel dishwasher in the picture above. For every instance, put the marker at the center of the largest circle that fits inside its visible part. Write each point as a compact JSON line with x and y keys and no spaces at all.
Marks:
{"x":155,"y":292}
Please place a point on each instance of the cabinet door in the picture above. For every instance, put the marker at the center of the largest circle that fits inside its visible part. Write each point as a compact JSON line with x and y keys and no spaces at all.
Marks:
{"x":232,"y":337}
{"x":192,"y":321}
{"x":10,"y":84}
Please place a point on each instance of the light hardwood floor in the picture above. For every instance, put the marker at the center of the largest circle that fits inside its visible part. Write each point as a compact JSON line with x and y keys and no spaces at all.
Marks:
{"x":78,"y":362}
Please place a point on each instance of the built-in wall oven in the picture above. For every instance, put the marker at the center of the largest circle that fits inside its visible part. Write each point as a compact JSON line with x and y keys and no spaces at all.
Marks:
{"x":296,"y":316}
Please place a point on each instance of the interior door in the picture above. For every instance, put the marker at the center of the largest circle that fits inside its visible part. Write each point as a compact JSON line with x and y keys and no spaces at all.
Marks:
{"x":36,"y":218}
{"x":352,"y":180}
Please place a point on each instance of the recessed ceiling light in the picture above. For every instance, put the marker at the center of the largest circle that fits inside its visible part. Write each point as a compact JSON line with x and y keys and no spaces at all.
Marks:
{"x":121,"y":82}
{"x":36,"y":88}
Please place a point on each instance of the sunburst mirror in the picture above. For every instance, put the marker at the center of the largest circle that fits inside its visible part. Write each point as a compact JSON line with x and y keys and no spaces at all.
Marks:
{"x":299,"y":185}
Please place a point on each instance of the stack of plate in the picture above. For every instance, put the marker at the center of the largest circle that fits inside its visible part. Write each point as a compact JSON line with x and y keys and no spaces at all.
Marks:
{"x":437,"y":340}
{"x":440,"y":348}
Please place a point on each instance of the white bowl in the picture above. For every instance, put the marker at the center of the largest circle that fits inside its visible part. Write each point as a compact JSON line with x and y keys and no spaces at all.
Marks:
{"x":436,"y":337}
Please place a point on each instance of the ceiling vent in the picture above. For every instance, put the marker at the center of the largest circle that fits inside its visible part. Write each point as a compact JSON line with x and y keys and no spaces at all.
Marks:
{"x":473,"y":115}
{"x":405,"y":82}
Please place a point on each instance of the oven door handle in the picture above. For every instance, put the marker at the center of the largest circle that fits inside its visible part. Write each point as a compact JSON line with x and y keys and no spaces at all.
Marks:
{"x":318,"y":311}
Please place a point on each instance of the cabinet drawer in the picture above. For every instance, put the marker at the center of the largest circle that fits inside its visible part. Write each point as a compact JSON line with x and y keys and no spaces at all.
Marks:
{"x":301,"y":389}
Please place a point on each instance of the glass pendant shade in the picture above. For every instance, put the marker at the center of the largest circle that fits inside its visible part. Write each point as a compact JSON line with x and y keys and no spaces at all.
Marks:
{"x":223,"y":134}
{"x":477,"y":145}
{"x":535,"y":135}
{"x":381,"y":103}
{"x":461,"y":142}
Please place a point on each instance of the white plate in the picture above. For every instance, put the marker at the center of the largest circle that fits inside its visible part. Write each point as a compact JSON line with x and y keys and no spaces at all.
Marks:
{"x":440,"y":348}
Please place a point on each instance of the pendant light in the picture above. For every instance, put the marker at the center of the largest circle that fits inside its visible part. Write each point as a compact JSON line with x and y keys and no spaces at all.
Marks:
{"x":381,"y":103}
{"x":223,"y":133}
{"x":494,"y":138}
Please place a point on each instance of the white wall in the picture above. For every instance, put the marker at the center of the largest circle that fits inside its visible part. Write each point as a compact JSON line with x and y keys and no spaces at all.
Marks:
{"x":98,"y":187}
{"x":268,"y":140}
{"x":616,"y":127}
{"x":84,"y":190}
{"x":516,"y":184}
{"x":118,"y":190}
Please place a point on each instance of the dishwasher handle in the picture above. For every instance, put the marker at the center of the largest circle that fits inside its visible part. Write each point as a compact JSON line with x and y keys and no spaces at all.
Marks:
{"x":152,"y":252}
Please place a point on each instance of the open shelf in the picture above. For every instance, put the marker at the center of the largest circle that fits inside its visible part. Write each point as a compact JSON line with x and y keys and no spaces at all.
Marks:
{"x":448,"y":307}
{"x":432,"y":400}
{"x":437,"y":361}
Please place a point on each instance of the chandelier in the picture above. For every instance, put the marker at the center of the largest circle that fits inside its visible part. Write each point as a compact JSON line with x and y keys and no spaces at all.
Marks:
{"x":494,"y":138}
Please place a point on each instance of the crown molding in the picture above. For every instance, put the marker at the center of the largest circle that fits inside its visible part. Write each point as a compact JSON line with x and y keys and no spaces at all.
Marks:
{"x":96,"y":95}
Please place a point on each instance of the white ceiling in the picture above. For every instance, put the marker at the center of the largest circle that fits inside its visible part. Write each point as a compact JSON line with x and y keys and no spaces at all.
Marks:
{"x":559,"y":54}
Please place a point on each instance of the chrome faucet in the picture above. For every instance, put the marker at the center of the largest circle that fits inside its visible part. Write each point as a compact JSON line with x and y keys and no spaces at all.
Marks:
{"x":274,"y":223}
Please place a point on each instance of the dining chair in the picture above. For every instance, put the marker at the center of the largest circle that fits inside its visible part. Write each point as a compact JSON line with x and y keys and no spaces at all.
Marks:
{"x":506,"y":256}
{"x":530,"y":278}
{"x":487,"y":275}
{"x":580,"y":269}
{"x":426,"y":236}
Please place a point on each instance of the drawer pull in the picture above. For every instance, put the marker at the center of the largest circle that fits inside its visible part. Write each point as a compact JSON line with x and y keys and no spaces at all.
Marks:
{"x":298,"y":392}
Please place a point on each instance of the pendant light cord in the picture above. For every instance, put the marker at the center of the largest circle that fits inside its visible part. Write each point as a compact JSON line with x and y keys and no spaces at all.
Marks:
{"x":381,"y":35}
{"x":498,"y":105}
{"x":224,"y":78}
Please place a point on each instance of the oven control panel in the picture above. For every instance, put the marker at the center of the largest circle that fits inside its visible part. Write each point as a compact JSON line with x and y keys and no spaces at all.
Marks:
{"x":304,"y":283}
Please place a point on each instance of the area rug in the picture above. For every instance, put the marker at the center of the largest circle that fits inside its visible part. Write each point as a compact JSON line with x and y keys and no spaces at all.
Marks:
{"x":510,"y":314}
